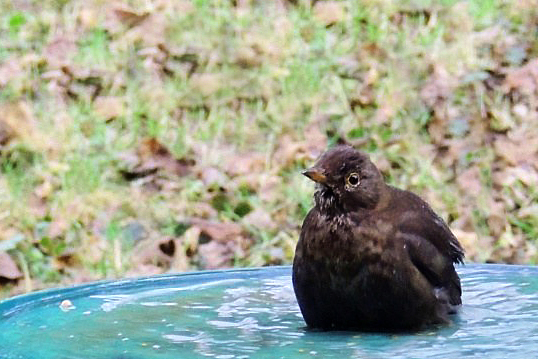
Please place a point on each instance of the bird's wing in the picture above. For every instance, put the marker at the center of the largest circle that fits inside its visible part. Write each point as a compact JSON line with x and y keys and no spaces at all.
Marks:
{"x":440,"y":232}
{"x":433,"y":264}
{"x":423,"y":221}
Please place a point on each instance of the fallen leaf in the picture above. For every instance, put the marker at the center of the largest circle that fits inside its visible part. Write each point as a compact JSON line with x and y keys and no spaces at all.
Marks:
{"x":329,"y":12}
{"x":497,"y":218}
{"x":290,"y":150}
{"x":476,"y":250}
{"x":44,"y":190}
{"x":151,"y":31}
{"x":512,"y":248}
{"x":469,"y":181}
{"x":438,"y":88}
{"x":38,"y":206}
{"x":87,"y":17}
{"x":523,"y":79}
{"x":152,"y":150}
{"x":152,"y":156}
{"x":268,"y":187}
{"x":247,"y":57}
{"x":177,"y":7}
{"x":130,"y":17}
{"x":58,"y":227}
{"x":218,"y":231}
{"x":59,"y":51}
{"x":160,"y":252}
{"x":144,"y":270}
{"x":245,"y":163}
{"x":17,"y":121}
{"x":203,"y":210}
{"x":215,"y":255}
{"x":388,"y":106}
{"x":530,"y":211}
{"x":212,"y":176}
{"x":207,"y":83}
{"x":6,"y":133}
{"x":517,"y":151}
{"x":9,"y":70}
{"x":260,"y":219}
{"x":8,"y":267}
{"x":109,"y":107}
{"x":524,"y":173}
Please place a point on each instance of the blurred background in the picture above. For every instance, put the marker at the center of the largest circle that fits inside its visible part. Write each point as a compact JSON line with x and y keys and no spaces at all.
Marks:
{"x":142,"y":137}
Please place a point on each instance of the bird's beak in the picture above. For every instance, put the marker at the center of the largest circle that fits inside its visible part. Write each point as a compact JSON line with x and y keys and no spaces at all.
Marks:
{"x":316,"y":175}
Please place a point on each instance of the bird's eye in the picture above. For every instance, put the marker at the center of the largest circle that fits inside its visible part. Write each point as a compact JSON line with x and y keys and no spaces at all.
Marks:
{"x":353,"y":179}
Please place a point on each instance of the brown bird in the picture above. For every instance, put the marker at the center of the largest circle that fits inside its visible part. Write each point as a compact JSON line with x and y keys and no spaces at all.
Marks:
{"x":371,"y":256}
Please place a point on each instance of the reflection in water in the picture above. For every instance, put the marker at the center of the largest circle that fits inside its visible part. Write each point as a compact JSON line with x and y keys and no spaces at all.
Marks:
{"x":253,"y":314}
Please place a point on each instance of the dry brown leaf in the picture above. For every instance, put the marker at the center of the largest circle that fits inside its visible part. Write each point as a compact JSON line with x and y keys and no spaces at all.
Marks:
{"x":9,"y":70}
{"x":517,"y":150}
{"x":8,"y":267}
{"x":388,"y":106}
{"x":497,"y":218}
{"x":268,"y":187}
{"x":438,"y":87}
{"x":469,"y":181}
{"x":476,"y":249}
{"x":217,"y":231}
{"x":59,"y":51}
{"x":18,"y":121}
{"x":289,"y":150}
{"x":6,"y":133}
{"x":213,"y":176}
{"x":523,"y":79}
{"x":38,"y":206}
{"x":217,"y":243}
{"x":524,"y":173}
{"x":177,"y":7}
{"x":329,"y":12}
{"x":161,"y":252}
{"x":44,"y":190}
{"x":109,"y":107}
{"x":245,"y":163}
{"x":58,"y":227}
{"x":152,"y":31}
{"x":246,"y":56}
{"x":214,"y":255}
{"x":87,"y":17}
{"x":152,"y":156}
{"x":151,"y":150}
{"x":143,"y":270}
{"x":202,"y":210}
{"x":130,"y":17}
{"x":259,"y":218}
{"x":207,"y":83}
{"x":512,"y":248}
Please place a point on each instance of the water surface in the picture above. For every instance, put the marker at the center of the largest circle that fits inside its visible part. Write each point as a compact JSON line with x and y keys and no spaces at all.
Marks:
{"x":253,"y":314}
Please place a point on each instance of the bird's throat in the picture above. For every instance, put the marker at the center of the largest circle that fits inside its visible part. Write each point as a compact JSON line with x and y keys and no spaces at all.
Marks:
{"x":327,"y":201}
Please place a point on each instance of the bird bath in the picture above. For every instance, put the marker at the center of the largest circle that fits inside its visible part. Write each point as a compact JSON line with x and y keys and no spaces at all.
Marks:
{"x":252,"y":313}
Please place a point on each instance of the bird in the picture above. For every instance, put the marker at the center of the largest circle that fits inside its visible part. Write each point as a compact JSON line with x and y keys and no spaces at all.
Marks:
{"x":372,"y":257}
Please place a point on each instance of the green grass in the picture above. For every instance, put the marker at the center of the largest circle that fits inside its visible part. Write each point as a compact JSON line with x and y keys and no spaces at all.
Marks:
{"x":272,"y":85}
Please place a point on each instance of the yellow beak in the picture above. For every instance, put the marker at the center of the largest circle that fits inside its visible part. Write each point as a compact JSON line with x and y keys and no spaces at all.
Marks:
{"x":316,"y":175}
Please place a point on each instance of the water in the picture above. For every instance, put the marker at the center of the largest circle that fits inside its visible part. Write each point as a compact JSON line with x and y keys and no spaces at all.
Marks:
{"x":253,"y":314}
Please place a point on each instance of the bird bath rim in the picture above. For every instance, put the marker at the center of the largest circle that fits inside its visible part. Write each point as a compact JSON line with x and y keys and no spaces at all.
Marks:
{"x":12,"y":305}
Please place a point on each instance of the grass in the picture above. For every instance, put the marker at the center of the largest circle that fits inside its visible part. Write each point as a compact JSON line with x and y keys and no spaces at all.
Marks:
{"x":252,"y":95}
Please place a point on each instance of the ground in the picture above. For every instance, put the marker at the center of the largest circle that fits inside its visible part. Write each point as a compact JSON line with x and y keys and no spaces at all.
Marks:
{"x":139,"y":137}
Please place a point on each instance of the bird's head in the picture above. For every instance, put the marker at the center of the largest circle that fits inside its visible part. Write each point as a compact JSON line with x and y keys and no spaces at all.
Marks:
{"x":346,"y":180}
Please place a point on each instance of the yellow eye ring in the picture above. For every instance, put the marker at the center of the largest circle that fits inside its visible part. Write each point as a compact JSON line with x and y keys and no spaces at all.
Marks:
{"x":353,"y":179}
